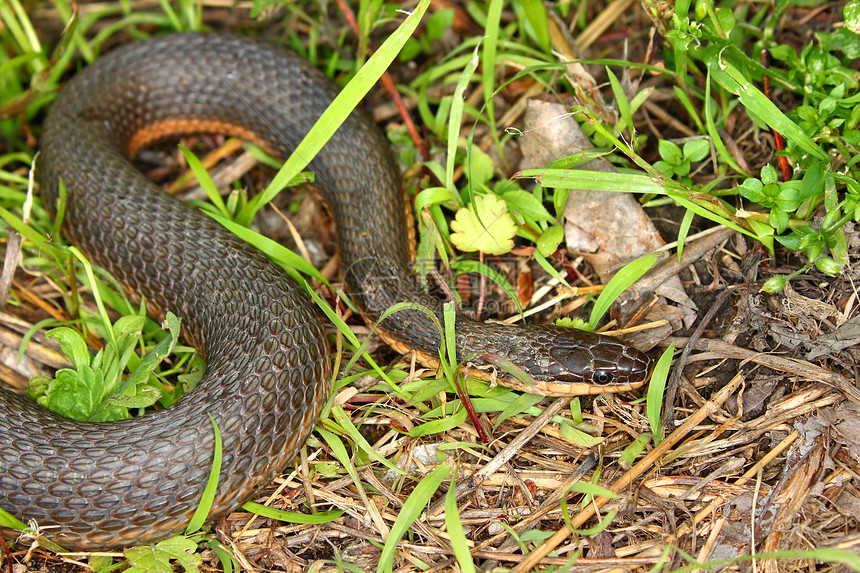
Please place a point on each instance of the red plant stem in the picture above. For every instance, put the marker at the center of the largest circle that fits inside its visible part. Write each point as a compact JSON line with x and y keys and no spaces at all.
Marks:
{"x":473,"y":416}
{"x":779,"y":140}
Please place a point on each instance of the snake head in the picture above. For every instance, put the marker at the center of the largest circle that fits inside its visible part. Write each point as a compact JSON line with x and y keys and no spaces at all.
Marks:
{"x":585,"y":357}
{"x":570,"y":361}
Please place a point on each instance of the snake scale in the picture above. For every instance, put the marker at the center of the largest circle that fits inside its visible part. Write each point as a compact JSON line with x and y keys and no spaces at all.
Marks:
{"x":110,"y":485}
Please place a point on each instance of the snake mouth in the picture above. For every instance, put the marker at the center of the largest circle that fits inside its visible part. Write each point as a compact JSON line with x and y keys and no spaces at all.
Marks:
{"x":584,"y":388}
{"x":598,"y":380}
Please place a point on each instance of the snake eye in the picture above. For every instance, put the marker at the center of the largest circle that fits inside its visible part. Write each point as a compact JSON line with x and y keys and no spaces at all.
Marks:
{"x":602,"y":377}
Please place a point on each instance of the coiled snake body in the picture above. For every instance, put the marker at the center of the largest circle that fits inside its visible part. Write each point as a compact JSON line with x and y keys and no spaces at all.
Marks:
{"x":109,"y":485}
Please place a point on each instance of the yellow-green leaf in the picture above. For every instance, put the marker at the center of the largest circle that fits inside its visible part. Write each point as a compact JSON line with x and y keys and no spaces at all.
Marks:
{"x":484,"y":226}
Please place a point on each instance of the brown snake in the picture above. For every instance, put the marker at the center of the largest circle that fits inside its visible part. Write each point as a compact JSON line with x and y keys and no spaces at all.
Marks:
{"x":109,"y":485}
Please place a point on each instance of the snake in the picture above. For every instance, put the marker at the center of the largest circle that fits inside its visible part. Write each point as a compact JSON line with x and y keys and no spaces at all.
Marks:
{"x":93,"y":486}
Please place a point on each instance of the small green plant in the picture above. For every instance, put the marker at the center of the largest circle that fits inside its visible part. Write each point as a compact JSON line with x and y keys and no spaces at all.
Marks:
{"x":676,"y":162}
{"x":96,"y":389}
{"x":820,"y":126}
{"x":160,"y":557}
{"x":782,"y":198}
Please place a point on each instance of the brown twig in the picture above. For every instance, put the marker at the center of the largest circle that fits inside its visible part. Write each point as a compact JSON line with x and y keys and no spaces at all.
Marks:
{"x":678,"y":370}
{"x":791,"y":365}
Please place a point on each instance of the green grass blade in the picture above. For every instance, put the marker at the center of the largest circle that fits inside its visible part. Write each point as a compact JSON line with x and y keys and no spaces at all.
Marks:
{"x":29,"y":233}
{"x":599,"y":180}
{"x":228,"y":561}
{"x":629,"y":274}
{"x":708,"y":214}
{"x":488,"y":60}
{"x":448,"y":351}
{"x":656,"y":392}
{"x":411,"y":510}
{"x":455,"y":119}
{"x":683,"y":231}
{"x":437,"y":427}
{"x":759,"y":105}
{"x":205,"y":505}
{"x":472,"y":266}
{"x":455,"y":531}
{"x":9,"y":520}
{"x":88,"y":269}
{"x":346,"y":424}
{"x":593,"y":490}
{"x":12,"y":522}
{"x":62,"y":202}
{"x":340,"y":453}
{"x":536,"y":14}
{"x":292,"y":516}
{"x":550,"y":270}
{"x":435,"y":196}
{"x":338,"y":111}
{"x":205,"y":181}
{"x":621,"y":101}
{"x":283,"y":256}
{"x":523,"y":402}
{"x":346,"y":331}
{"x":168,"y":10}
{"x":716,"y":138}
